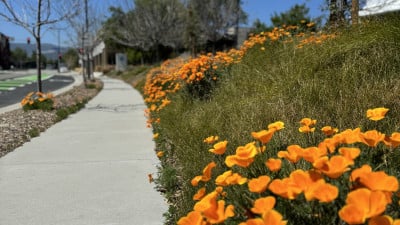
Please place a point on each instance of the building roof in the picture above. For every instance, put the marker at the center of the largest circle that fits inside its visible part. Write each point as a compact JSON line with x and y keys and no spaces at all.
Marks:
{"x":373,"y":7}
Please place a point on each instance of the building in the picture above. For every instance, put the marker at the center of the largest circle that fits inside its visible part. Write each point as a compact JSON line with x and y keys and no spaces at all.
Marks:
{"x":5,"y":53}
{"x":377,"y":7}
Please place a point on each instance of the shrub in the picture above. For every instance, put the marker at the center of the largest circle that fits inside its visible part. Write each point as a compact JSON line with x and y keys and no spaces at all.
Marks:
{"x":34,"y":132}
{"x":38,"y":100}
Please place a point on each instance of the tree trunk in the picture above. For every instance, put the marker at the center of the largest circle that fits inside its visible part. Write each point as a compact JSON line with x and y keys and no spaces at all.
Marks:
{"x":38,"y":48}
{"x":38,"y":63}
{"x":333,"y":10}
{"x":355,"y":5}
{"x":336,"y":12}
{"x":88,"y":63}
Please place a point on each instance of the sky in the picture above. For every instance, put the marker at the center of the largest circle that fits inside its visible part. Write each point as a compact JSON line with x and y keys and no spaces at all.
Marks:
{"x":256,"y":9}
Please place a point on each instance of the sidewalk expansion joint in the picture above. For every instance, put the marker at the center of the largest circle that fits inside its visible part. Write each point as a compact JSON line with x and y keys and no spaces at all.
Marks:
{"x":119,"y":108}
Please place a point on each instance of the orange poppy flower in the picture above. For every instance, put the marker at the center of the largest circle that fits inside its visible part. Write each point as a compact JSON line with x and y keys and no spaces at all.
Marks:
{"x":308,"y":122}
{"x":313,"y":186}
{"x":206,"y":174}
{"x":302,"y":179}
{"x":362,"y":204}
{"x":383,"y":220}
{"x":153,"y":107}
{"x":220,"y":190}
{"x":278,"y":125}
{"x":230,"y":178}
{"x":219,"y":148}
{"x":244,"y":156}
{"x":263,"y":205}
{"x":214,"y":211}
{"x":349,"y":136}
{"x":321,"y":191}
{"x":264,"y":136}
{"x":284,"y":188}
{"x":372,"y":138}
{"x":293,"y":153}
{"x":199,"y":194}
{"x":375,"y":181}
{"x":273,"y":164}
{"x":329,"y":131}
{"x":259,"y":185}
{"x":333,"y":167}
{"x":211,"y":139}
{"x":350,"y":153}
{"x":306,"y":129}
{"x":329,"y":144}
{"x":392,"y":141}
{"x":377,"y":113}
{"x":272,"y":217}
{"x":192,"y":218}
{"x":362,"y":171}
{"x":311,"y":154}
{"x":24,"y":101}
{"x":160,"y":154}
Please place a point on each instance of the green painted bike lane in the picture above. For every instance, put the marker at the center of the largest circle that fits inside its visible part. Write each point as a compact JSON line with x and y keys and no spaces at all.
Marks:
{"x":11,"y":84}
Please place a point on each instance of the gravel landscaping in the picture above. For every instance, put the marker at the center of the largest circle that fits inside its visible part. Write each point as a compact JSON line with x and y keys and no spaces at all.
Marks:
{"x":19,"y":126}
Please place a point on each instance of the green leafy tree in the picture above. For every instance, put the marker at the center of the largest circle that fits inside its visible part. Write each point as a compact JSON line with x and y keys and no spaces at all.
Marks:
{"x":43,"y":59}
{"x":259,"y":27}
{"x":71,"y":58}
{"x":18,"y":56}
{"x":293,"y":16}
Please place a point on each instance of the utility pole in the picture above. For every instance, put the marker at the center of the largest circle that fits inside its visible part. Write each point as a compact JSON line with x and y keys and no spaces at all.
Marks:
{"x":87,"y":41}
{"x":237,"y":24}
{"x":82,"y":53}
{"x":59,"y":52}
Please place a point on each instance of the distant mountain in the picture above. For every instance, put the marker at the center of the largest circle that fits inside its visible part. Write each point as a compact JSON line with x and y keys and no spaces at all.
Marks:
{"x":48,"y":50}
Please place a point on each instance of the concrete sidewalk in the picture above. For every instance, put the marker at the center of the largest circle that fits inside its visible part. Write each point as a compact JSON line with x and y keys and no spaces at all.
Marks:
{"x":90,"y":169}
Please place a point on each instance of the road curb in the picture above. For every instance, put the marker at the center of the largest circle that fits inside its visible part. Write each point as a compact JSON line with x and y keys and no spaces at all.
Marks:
{"x":78,"y":79}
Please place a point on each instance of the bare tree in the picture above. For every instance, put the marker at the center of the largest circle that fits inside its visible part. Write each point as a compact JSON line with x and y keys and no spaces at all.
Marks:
{"x":34,"y":17}
{"x":149,"y":25}
{"x":84,"y":29}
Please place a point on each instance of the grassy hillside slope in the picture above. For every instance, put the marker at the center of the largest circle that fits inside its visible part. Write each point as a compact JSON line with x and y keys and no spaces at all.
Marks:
{"x":334,"y":82}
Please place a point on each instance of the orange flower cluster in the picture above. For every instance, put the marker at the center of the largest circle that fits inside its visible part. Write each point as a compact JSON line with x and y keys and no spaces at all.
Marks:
{"x":211,"y":139}
{"x":314,"y":39}
{"x":307,"y":125}
{"x":367,"y":199}
{"x":160,"y":81}
{"x":209,"y":210}
{"x":172,"y":75}
{"x":33,"y":97}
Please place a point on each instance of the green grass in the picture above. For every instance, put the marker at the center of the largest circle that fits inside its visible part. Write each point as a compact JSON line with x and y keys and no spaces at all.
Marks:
{"x":335,"y":83}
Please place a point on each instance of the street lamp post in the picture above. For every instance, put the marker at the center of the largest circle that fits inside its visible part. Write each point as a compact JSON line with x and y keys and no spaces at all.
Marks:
{"x":59,"y":53}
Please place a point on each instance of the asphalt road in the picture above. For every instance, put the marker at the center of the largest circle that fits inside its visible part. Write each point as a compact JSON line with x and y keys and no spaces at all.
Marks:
{"x":10,"y":97}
